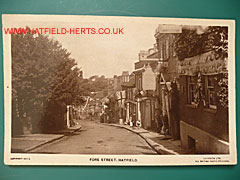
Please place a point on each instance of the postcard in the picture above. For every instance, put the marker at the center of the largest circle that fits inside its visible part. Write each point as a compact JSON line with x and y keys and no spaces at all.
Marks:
{"x":118,"y":91}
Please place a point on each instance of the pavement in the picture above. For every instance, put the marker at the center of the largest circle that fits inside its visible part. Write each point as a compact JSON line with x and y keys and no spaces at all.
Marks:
{"x":162,"y":144}
{"x":28,"y":142}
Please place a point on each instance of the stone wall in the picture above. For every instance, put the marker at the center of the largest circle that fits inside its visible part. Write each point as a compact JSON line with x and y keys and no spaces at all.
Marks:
{"x":201,"y":141}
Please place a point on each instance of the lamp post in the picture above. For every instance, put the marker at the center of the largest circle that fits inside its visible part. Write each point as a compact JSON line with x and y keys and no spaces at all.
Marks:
{"x":68,"y":116}
{"x":138,"y":96}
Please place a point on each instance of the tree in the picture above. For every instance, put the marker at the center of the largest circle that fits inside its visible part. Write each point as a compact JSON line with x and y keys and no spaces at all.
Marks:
{"x":188,"y":44}
{"x":43,"y":76}
{"x":93,"y":84}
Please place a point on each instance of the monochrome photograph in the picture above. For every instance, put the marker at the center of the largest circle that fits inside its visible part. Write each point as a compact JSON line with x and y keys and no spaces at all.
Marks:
{"x":102,"y":90}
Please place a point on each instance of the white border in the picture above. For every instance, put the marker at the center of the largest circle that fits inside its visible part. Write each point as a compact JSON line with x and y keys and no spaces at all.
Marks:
{"x":152,"y":160}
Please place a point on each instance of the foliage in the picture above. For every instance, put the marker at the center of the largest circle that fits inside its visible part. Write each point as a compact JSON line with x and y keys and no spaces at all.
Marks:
{"x":218,"y":40}
{"x":214,"y":38}
{"x":223,"y":91}
{"x":189,"y":43}
{"x":94,"y":84}
{"x":44,"y":77}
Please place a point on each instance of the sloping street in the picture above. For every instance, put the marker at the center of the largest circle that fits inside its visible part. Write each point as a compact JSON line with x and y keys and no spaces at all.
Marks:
{"x":95,"y":138}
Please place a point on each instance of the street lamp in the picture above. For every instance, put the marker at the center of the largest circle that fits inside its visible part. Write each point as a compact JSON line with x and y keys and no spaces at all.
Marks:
{"x":138,"y":96}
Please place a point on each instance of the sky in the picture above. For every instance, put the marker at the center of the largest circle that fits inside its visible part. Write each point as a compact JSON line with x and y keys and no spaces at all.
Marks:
{"x":98,"y":54}
{"x":109,"y":55}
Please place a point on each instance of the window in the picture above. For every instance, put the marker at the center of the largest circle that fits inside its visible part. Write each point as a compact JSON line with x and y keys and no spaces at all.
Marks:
{"x":167,"y":48}
{"x":161,"y":50}
{"x":191,"y":86}
{"x":211,"y":92}
{"x":164,"y":49}
{"x":140,"y":83}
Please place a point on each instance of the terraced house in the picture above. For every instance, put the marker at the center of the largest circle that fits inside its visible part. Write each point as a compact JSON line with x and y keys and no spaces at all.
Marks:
{"x":203,"y":79}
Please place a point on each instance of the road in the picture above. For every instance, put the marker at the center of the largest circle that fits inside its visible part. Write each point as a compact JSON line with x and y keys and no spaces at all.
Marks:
{"x":96,"y":138}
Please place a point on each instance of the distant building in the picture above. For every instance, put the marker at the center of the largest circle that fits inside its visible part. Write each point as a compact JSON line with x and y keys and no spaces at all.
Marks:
{"x":125,"y":76}
{"x":130,"y":91}
{"x":117,"y":82}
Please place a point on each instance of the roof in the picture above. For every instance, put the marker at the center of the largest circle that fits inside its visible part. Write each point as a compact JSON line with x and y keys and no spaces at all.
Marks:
{"x":126,"y":73}
{"x":130,"y":84}
{"x":140,"y":70}
{"x":140,"y":64}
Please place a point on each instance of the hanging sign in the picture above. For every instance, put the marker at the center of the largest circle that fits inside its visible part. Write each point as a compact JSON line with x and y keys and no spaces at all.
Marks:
{"x":149,"y":79}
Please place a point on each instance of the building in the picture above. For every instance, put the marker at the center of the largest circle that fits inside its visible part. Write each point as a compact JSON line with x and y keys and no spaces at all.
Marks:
{"x":154,"y":71}
{"x":203,"y":95}
{"x":165,"y":38}
{"x":117,"y":82}
{"x":118,"y":98}
{"x":167,"y":73}
{"x":204,"y":120}
{"x":184,"y":97}
{"x":144,"y":97}
{"x":110,"y":86}
{"x":130,"y":91}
